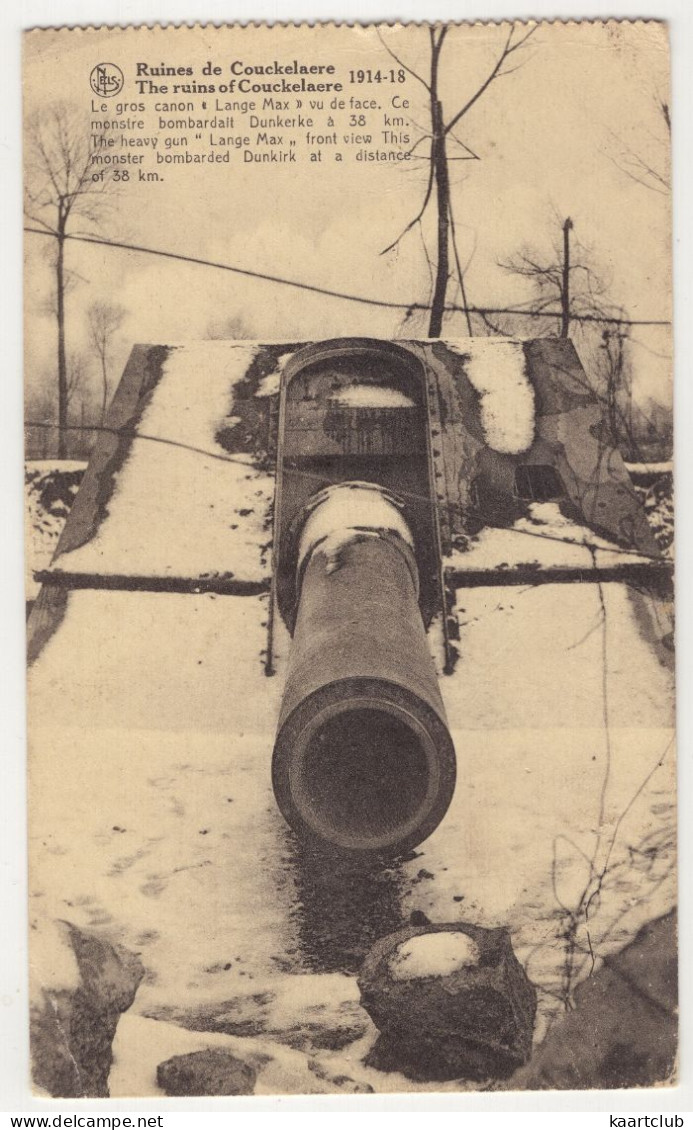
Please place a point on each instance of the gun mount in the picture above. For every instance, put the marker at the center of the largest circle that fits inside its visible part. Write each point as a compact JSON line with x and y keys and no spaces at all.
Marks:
{"x":404,"y":473}
{"x":363,"y":757}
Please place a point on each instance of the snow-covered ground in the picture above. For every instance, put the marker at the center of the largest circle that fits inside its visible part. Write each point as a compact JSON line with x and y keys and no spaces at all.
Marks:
{"x":545,"y":539}
{"x":153,"y":818}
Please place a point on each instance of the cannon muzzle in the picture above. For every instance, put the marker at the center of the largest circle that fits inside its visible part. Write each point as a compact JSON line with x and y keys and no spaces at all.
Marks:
{"x":363,"y":758}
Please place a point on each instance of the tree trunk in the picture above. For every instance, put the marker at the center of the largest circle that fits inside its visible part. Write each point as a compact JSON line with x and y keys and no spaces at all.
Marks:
{"x":104,"y":399}
{"x":442,"y":182}
{"x":62,"y":359}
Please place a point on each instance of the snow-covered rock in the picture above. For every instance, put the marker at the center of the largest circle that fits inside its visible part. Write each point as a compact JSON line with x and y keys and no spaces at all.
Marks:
{"x":623,"y":1030}
{"x":80,"y":984}
{"x":142,"y":1045}
{"x":210,"y":1071}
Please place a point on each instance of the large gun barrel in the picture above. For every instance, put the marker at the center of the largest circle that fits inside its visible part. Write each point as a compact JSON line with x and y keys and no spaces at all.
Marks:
{"x":363,"y":757}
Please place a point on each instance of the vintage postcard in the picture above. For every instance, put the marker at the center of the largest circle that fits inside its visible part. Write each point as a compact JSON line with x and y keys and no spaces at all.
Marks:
{"x":349,"y":558}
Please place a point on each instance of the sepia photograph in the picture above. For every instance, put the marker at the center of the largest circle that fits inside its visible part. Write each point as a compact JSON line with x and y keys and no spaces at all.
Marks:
{"x":348,"y":386}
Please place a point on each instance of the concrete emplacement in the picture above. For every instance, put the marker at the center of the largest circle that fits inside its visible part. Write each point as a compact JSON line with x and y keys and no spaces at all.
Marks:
{"x":363,"y":758}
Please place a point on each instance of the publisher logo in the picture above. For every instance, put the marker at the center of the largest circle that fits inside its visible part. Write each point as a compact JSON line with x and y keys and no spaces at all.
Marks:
{"x":106,"y":79}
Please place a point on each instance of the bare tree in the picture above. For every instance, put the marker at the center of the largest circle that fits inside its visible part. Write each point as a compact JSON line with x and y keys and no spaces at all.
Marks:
{"x":233,"y":327}
{"x":38,"y":436}
{"x":41,"y":402}
{"x":104,"y":321}
{"x":566,"y":288}
{"x":650,"y":168}
{"x":440,"y":136}
{"x":77,"y":371}
{"x":565,"y":284}
{"x":61,"y":186}
{"x":616,"y":385}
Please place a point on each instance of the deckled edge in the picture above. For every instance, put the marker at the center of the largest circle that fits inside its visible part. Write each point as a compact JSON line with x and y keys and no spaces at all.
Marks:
{"x":270,"y":25}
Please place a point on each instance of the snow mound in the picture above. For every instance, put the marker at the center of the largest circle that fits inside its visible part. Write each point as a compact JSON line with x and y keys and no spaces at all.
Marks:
{"x":181,"y":505}
{"x":497,"y":371}
{"x":180,"y":812}
{"x":349,"y":510}
{"x":372,"y":396}
{"x":433,"y":955}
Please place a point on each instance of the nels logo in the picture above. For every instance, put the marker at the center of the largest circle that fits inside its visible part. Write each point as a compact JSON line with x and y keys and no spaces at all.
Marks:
{"x":106,"y":79}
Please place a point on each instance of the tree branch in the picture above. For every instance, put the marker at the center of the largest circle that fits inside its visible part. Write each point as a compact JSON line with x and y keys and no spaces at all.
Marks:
{"x":507,"y":50}
{"x":401,"y":63}
{"x":458,"y":265}
{"x":422,"y":209}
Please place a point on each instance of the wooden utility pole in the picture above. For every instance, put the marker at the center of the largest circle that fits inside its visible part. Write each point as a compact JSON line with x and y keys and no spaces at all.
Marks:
{"x":565,"y":288}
